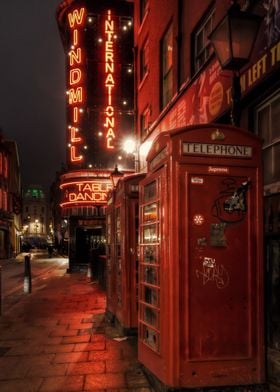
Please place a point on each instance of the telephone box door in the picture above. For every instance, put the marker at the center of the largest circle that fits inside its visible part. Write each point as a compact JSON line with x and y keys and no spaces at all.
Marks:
{"x":220,"y":318}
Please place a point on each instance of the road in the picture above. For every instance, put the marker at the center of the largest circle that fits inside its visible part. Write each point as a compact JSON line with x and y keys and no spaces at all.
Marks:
{"x":12,"y":275}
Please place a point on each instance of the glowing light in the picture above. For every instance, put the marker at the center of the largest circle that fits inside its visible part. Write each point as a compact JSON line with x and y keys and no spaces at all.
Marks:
{"x":100,"y":133}
{"x":124,"y":102}
{"x":75,"y":95}
{"x":76,"y":17}
{"x":124,"y":28}
{"x":74,"y":157}
{"x":100,"y":40}
{"x":75,"y":76}
{"x":85,"y":147}
{"x":129,"y":146}
{"x":75,"y":56}
{"x":144,"y":149}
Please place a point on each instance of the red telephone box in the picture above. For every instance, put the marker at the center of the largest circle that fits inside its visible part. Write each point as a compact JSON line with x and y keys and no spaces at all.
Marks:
{"x":123,"y":213}
{"x":201,"y":259}
{"x":110,"y":258}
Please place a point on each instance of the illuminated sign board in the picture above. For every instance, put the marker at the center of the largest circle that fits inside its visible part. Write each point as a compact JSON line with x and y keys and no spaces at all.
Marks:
{"x":226,"y":150}
{"x":109,"y":81}
{"x":76,"y":90}
{"x":85,"y":192}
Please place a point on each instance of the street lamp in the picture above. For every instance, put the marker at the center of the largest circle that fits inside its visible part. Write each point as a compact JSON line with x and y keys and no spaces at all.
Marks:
{"x":233,"y":40}
{"x":130,"y":147}
{"x":115,"y":176}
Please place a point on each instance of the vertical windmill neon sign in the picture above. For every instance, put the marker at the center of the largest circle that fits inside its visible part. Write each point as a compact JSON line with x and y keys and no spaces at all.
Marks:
{"x":76,"y":91}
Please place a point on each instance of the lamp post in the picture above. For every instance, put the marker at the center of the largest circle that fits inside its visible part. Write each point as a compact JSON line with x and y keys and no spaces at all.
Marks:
{"x":233,"y":40}
{"x":115,"y":176}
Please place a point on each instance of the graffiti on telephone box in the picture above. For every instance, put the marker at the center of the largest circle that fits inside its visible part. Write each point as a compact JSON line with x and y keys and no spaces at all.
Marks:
{"x":212,"y":272}
{"x":231,"y":204}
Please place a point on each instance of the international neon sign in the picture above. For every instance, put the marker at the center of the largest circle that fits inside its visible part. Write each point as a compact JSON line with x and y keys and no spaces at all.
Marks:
{"x":76,"y":20}
{"x":85,"y":192}
{"x":109,"y":124}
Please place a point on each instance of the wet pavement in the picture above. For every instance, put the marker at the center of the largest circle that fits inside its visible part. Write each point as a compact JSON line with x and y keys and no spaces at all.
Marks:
{"x":57,"y":339}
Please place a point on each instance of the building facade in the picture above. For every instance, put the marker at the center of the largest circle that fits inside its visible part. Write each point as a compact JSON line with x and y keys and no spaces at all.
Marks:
{"x":10,"y":199}
{"x":14,"y":197}
{"x":179,"y":82}
{"x":35,"y":217}
{"x":98,"y":43}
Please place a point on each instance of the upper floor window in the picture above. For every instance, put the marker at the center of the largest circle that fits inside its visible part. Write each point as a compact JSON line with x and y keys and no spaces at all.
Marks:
{"x":144,"y":60}
{"x":5,"y":201}
{"x":268,"y":128}
{"x":167,"y":67}
{"x":144,"y":122}
{"x":202,"y":46}
{"x":143,"y":9}
{"x":5,"y":167}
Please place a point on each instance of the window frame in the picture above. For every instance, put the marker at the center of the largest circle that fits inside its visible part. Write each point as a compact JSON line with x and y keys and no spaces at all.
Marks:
{"x":270,"y":143}
{"x":206,"y":49}
{"x":143,"y":60}
{"x":166,"y":74}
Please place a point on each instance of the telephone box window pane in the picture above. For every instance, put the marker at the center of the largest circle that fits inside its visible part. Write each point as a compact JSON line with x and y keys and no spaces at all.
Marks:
{"x":150,"y":275}
{"x":150,"y":212}
{"x":150,"y":234}
{"x":150,"y":316}
{"x":151,"y":338}
{"x":151,"y":296}
{"x":150,"y":191}
{"x":150,"y":254}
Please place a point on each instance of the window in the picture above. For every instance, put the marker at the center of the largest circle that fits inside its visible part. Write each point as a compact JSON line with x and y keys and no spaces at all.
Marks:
{"x":144,"y":122}
{"x":5,"y":167}
{"x":5,"y":201}
{"x":202,"y":46}
{"x":143,"y":9}
{"x":268,"y":128}
{"x":167,"y":67}
{"x":144,"y":60}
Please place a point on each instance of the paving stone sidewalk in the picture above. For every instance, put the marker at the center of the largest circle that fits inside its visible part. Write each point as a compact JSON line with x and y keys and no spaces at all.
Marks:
{"x":57,"y":339}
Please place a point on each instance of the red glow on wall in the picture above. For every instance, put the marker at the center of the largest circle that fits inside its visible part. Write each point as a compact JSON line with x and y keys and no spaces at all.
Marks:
{"x":76,"y":91}
{"x":109,"y":81}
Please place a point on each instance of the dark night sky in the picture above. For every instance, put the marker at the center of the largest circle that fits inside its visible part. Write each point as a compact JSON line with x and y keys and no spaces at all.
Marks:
{"x":32,"y":86}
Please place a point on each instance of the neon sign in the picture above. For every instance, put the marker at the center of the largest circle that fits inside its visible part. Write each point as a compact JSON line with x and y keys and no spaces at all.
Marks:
{"x":76,"y":20}
{"x":109,"y":81}
{"x":85,"y":192}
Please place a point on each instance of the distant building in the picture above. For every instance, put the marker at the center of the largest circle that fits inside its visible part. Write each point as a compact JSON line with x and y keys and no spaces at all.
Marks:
{"x":35,"y":217}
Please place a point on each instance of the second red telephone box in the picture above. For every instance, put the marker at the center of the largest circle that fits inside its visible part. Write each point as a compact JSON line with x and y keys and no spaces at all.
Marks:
{"x":201,"y":260}
{"x":122,"y":218}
